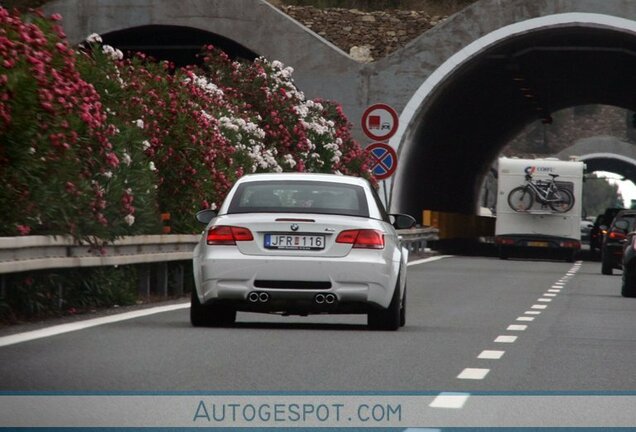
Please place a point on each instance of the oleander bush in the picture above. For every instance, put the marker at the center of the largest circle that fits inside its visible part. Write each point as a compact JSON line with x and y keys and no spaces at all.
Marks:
{"x":97,"y":146}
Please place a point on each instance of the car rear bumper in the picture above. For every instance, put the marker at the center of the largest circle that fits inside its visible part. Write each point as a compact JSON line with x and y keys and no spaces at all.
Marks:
{"x":363,"y":279}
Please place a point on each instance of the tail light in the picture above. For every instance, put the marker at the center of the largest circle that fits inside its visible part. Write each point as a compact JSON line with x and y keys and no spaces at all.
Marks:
{"x":228,"y":235}
{"x":504,"y":241}
{"x":616,"y":235}
{"x":570,"y":244}
{"x":362,"y":239}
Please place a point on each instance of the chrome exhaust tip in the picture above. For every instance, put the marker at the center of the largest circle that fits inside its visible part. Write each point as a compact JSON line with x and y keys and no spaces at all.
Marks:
{"x":320,"y":298}
{"x":330,"y":299}
{"x":253,"y":297}
{"x":263,"y":297}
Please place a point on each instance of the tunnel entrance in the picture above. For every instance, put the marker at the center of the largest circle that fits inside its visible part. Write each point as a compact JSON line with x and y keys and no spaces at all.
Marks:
{"x":462,"y":116}
{"x":180,"y":45}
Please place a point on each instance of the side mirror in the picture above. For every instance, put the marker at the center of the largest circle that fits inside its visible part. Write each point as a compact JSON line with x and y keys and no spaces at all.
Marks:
{"x":402,"y":221}
{"x":205,"y":216}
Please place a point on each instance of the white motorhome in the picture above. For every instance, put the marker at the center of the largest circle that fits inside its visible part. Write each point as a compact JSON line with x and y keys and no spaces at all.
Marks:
{"x":539,"y":207}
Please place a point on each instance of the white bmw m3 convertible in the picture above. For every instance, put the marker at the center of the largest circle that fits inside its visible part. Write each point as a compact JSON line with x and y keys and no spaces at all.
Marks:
{"x":299,"y":244}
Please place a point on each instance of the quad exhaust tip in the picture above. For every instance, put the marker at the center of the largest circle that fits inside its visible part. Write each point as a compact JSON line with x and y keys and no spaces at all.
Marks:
{"x":255,"y":297}
{"x":325,"y":298}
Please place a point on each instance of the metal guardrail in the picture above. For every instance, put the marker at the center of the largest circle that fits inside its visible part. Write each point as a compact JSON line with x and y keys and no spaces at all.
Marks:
{"x":18,"y":254}
{"x":416,"y":239}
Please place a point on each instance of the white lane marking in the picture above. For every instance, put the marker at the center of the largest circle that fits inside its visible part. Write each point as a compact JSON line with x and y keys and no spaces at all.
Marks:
{"x":506,"y":339}
{"x":544,"y":300}
{"x":524,"y":318}
{"x":557,"y":285}
{"x":427,"y":260}
{"x":491,"y":355}
{"x":537,"y":306}
{"x":450,"y":400}
{"x":549,"y":295}
{"x":473,"y":373}
{"x":517,"y":327}
{"x":81,"y":325}
{"x":554,"y":290}
{"x":532,"y":312}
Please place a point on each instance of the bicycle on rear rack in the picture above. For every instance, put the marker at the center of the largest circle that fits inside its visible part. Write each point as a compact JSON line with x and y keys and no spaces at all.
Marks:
{"x":547,"y":193}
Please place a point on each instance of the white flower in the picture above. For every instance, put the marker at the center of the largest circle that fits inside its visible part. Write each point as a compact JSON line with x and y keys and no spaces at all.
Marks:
{"x":129,"y":219}
{"x":108,"y":174}
{"x":213,"y":206}
{"x":113,"y":53}
{"x":139,"y":123}
{"x":31,"y":150}
{"x":145,"y":145}
{"x":94,"y":38}
{"x":152,"y":166}
{"x":126,"y":159}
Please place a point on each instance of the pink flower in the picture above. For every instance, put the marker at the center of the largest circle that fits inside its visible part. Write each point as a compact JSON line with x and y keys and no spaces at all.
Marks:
{"x":23,"y":229}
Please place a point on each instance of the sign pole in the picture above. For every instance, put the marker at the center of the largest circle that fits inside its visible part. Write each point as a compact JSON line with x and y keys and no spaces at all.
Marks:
{"x":386,"y":197}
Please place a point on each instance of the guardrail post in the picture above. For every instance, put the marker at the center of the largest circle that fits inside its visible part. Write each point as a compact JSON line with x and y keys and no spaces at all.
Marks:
{"x":162,"y":279}
{"x":144,"y":281}
{"x":177,"y":278}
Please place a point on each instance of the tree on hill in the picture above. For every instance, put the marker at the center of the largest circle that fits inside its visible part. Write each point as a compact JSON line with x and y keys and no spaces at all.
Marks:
{"x":599,"y":194}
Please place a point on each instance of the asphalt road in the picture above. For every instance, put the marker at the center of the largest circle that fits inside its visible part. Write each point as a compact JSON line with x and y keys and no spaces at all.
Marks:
{"x":583,"y":338}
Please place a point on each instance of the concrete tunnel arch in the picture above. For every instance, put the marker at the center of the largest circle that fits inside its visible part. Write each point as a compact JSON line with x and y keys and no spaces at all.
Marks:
{"x":454,"y":125}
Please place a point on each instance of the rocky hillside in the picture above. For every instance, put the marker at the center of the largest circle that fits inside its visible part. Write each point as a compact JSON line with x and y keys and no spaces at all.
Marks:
{"x":366,"y":36}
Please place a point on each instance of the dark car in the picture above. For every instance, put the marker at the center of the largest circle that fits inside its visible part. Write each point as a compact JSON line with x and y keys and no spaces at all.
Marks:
{"x":628,"y":288}
{"x":614,"y":240}
{"x":599,"y":229}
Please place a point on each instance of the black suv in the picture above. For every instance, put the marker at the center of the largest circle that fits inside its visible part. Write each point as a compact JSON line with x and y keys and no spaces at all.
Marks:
{"x":612,"y":249}
{"x":600,"y":225}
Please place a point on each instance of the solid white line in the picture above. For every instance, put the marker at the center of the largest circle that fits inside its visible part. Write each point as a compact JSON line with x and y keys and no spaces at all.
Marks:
{"x":81,"y":325}
{"x":506,"y":339}
{"x":491,"y":355}
{"x":450,"y":400}
{"x":473,"y":373}
{"x":524,"y":318}
{"x":532,"y":312}
{"x":538,"y":306}
{"x":427,"y":260}
{"x":517,"y":327}
{"x":544,"y":300}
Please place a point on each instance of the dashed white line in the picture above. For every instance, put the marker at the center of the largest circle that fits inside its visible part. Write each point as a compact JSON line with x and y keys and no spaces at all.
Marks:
{"x":538,"y":306}
{"x":532,"y":312}
{"x":525,"y":318}
{"x":544,"y":300}
{"x":506,"y":339}
{"x":517,"y":327}
{"x":491,"y":355}
{"x":548,"y":294}
{"x":554,"y":290}
{"x":450,"y":400}
{"x":473,"y":374}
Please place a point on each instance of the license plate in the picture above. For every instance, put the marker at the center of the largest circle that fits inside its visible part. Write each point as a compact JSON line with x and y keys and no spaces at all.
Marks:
{"x":294,"y":241}
{"x":538,"y":244}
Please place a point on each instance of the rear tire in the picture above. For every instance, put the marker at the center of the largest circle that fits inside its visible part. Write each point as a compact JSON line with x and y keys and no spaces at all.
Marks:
{"x":606,"y":265}
{"x":209,"y":316}
{"x":389,"y":318}
{"x":628,"y":288}
{"x":566,"y":203}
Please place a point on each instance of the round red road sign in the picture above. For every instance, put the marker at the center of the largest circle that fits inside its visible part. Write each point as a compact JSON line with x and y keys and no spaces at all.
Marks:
{"x":380,"y":122}
{"x":383,"y":160}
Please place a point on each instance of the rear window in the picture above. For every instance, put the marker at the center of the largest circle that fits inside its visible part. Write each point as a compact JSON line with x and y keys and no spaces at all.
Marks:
{"x":629,"y":217}
{"x":300,"y":197}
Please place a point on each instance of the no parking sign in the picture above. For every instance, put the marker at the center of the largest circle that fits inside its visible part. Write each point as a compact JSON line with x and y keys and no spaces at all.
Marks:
{"x":383,"y":160}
